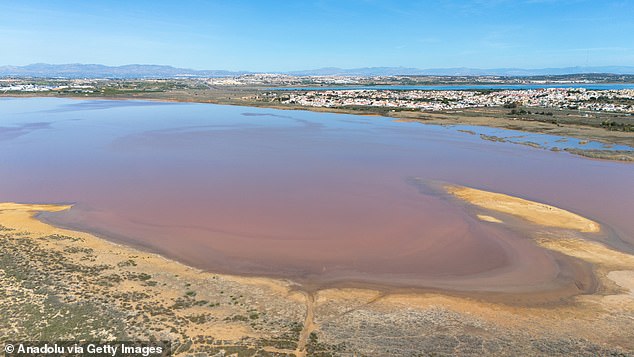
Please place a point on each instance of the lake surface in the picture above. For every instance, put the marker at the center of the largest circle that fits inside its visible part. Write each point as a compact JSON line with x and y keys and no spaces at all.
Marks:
{"x":314,"y":197}
{"x":589,"y":86}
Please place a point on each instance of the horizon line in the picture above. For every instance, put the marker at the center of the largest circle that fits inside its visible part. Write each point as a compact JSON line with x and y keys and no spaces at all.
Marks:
{"x":318,"y":68}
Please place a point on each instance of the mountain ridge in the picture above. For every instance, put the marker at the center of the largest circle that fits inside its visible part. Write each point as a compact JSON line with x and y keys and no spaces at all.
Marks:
{"x":78,"y":70}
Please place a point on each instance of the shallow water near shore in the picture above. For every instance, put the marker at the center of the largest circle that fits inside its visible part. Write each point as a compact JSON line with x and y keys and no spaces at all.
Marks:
{"x":545,"y":141}
{"x":314,"y":197}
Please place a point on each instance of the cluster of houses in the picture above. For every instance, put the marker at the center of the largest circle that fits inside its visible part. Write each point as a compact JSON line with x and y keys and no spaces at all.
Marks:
{"x":17,"y":85}
{"x":578,"y":98}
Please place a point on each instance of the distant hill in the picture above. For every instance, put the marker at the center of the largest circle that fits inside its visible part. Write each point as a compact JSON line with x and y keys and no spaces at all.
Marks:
{"x":511,"y":72}
{"x":157,"y":71}
{"x":77,"y":70}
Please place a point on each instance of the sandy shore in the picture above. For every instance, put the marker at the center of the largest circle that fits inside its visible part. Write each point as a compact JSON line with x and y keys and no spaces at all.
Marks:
{"x":143,"y":295}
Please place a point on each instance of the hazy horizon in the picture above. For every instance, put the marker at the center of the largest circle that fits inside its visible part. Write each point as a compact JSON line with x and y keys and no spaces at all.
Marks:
{"x":74,"y":70}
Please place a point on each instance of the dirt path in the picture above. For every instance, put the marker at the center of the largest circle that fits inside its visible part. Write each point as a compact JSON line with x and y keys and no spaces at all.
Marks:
{"x":309,"y":325}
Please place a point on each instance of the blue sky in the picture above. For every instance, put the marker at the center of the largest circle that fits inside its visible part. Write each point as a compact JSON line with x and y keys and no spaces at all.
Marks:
{"x":276,"y":35}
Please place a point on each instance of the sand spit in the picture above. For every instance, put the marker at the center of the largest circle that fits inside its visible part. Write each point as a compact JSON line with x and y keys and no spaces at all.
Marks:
{"x":59,"y":284}
{"x":535,"y":212}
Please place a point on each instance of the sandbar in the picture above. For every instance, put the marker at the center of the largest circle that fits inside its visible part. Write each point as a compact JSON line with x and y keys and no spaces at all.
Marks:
{"x":538,"y":213}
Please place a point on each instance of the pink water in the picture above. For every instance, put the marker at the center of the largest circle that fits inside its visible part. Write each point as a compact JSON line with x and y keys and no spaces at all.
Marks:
{"x":307,"y":196}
